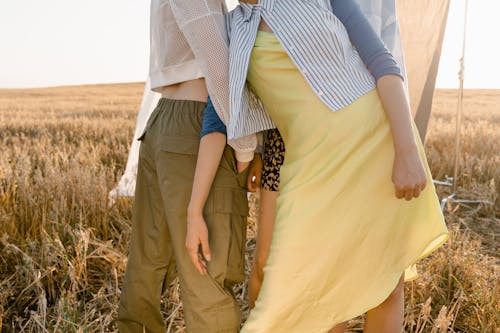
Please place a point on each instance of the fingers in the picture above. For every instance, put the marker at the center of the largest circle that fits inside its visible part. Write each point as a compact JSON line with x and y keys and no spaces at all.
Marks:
{"x":254,"y":174}
{"x":410,"y":192}
{"x":258,"y":178}
{"x":198,"y":262}
{"x":251,"y":183}
{"x":419,"y":188}
{"x":406,"y":193}
{"x":416,"y":192}
{"x":205,"y":247}
{"x":197,"y":244}
{"x":254,"y":177}
{"x":400,"y":192}
{"x":203,"y":263}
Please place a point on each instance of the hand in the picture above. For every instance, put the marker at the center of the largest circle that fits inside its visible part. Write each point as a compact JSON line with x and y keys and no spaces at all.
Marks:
{"x":254,"y":174}
{"x":408,"y":174}
{"x":197,"y":234}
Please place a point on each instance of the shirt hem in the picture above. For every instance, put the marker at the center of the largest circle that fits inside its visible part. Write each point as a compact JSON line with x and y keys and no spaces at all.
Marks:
{"x":175,"y":74}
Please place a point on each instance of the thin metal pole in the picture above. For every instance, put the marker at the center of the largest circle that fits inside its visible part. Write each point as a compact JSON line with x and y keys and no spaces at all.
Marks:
{"x":460,"y":104}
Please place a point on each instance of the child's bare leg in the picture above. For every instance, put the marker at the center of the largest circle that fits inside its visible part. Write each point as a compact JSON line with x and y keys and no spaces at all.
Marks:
{"x":388,"y":316}
{"x":267,"y":216}
{"x":340,"y":328}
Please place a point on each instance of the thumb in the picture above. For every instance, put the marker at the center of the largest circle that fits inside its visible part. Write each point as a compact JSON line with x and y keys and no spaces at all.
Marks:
{"x":205,"y":248}
{"x":251,"y":184}
{"x":258,"y":179}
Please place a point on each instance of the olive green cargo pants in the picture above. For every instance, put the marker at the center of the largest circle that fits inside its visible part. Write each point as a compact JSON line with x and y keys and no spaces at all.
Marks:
{"x":167,"y":161}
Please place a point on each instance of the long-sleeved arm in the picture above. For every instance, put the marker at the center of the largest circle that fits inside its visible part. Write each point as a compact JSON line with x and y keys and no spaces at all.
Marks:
{"x":370,"y":47}
{"x":391,"y":35}
{"x":204,"y":27}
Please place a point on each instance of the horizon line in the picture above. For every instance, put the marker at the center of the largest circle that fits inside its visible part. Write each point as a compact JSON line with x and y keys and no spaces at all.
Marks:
{"x":143,"y":82}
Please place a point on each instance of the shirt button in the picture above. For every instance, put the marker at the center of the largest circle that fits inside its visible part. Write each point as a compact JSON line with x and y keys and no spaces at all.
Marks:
{"x":320,"y":93}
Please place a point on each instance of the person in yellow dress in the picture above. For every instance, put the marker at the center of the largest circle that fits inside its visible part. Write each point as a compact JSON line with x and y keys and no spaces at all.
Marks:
{"x":264,"y":172}
{"x":343,"y":240}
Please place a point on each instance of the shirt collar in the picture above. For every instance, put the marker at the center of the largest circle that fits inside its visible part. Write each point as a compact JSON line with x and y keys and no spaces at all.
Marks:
{"x":248,"y":8}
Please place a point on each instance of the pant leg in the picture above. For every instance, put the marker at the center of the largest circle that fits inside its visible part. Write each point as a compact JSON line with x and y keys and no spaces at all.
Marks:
{"x":151,"y":262}
{"x":228,"y":202}
{"x":209,"y":304}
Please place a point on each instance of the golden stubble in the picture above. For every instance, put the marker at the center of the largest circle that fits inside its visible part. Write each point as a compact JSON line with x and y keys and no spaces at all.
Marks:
{"x":63,"y":248}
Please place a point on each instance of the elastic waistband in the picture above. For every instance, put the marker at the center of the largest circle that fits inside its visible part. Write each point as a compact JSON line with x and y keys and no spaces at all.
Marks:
{"x":176,"y":112}
{"x":180,"y":104}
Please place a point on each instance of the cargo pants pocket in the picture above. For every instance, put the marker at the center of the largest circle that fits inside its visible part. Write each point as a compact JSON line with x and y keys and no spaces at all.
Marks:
{"x":238,"y":219}
{"x":233,"y":205}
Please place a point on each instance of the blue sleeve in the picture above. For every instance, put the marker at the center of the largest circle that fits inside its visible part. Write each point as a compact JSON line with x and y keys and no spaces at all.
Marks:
{"x":211,"y":121}
{"x":370,"y":47}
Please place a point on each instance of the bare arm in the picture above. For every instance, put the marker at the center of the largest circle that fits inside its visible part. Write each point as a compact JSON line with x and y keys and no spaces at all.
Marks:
{"x":211,"y":149}
{"x":408,"y":172}
{"x":210,"y":153}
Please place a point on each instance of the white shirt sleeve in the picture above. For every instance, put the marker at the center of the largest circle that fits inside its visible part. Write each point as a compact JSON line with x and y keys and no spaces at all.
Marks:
{"x":204,"y":27}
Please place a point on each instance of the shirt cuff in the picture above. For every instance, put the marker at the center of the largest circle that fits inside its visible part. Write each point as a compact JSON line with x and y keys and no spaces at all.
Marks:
{"x":244,"y":156}
{"x":385,"y":65}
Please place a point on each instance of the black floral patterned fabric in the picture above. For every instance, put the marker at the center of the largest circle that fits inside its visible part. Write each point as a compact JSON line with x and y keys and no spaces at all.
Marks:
{"x":272,"y":160}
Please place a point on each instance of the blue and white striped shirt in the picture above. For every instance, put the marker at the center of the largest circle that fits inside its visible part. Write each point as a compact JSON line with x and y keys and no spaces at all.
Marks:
{"x":315,"y":39}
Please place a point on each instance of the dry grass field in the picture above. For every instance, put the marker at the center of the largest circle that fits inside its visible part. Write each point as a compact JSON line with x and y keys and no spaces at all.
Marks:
{"x":63,"y":249}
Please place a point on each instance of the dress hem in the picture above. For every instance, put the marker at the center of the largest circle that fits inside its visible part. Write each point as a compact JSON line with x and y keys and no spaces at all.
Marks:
{"x":439,"y":240}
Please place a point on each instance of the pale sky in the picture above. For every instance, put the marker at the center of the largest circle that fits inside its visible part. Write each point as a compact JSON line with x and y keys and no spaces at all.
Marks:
{"x":62,"y":42}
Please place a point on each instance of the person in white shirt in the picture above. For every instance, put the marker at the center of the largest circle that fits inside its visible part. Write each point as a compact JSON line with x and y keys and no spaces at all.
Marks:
{"x":189,"y":59}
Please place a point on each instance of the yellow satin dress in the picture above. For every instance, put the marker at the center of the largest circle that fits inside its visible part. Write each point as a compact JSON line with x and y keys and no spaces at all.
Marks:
{"x":341,"y":238}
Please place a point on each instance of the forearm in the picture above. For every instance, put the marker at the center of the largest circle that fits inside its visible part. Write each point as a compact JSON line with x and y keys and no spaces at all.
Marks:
{"x":210,"y":153}
{"x":392,"y":94}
